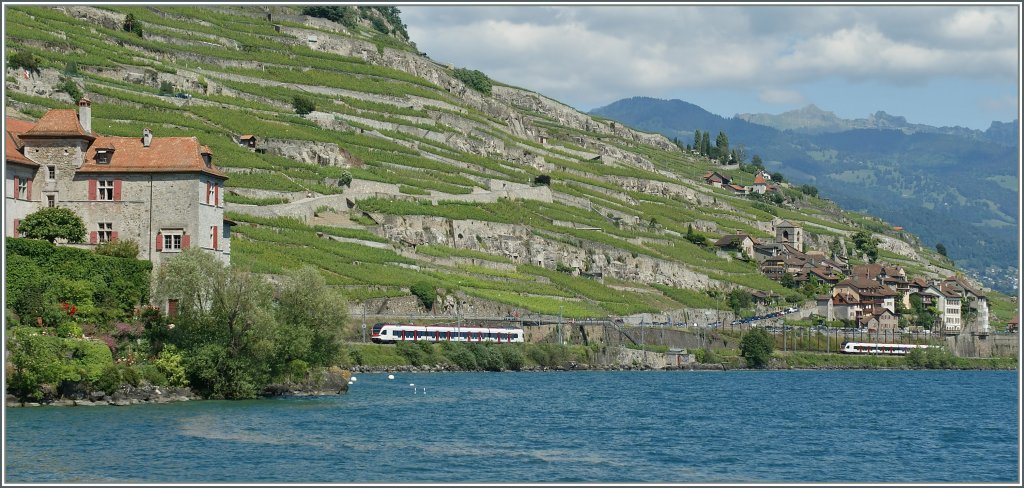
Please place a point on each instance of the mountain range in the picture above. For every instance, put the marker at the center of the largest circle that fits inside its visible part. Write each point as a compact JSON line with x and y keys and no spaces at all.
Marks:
{"x":949,"y":185}
{"x":417,"y":187}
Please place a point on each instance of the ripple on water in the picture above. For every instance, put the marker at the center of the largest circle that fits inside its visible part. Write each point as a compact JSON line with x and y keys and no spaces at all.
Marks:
{"x":732,"y":427}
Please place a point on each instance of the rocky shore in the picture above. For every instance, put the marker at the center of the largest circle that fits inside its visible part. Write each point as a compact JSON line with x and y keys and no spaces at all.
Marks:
{"x":126,"y":395}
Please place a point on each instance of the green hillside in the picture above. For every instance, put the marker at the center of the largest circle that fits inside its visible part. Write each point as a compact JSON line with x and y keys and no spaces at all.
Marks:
{"x":446,"y":181}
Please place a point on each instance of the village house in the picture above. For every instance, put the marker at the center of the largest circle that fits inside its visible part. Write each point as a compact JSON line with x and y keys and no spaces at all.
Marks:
{"x":736,"y":242}
{"x":716,"y":179}
{"x":737,"y":189}
{"x":789,"y":233}
{"x":947,"y":303}
{"x":879,"y":321}
{"x":760,"y":185}
{"x":162,"y":192}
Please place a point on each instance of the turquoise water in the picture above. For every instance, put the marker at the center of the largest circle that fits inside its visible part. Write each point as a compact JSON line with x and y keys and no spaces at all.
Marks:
{"x":602,"y":427}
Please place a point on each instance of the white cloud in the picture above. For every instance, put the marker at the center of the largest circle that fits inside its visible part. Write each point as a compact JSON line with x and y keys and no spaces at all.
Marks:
{"x":586,"y":55}
{"x":780,"y":96}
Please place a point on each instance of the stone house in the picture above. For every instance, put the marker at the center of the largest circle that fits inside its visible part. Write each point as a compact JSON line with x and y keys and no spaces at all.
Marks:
{"x":162,"y":192}
{"x":879,"y":320}
{"x":737,"y":189}
{"x":789,"y":233}
{"x":737,"y":242}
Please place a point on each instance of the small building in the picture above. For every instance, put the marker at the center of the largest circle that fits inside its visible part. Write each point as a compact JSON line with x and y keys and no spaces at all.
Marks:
{"x":760,"y":185}
{"x":247,"y":140}
{"x":716,"y":179}
{"x":1013,"y":325}
{"x":737,"y":189}
{"x":736,"y":242}
{"x":789,"y":233}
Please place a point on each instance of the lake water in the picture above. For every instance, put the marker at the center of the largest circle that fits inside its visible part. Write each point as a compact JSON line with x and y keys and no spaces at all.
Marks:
{"x":598,"y":427}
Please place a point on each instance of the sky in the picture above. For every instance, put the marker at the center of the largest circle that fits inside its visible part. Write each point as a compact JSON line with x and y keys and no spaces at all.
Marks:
{"x":942,"y":65}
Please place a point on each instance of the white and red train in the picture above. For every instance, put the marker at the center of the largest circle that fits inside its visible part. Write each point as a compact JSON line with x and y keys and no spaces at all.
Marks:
{"x":392,"y":333}
{"x":879,"y":348}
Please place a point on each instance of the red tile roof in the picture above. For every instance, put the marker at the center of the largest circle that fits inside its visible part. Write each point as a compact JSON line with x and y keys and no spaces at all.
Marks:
{"x":13,"y":144}
{"x":58,"y":123}
{"x":164,"y":155}
{"x":759,"y":180}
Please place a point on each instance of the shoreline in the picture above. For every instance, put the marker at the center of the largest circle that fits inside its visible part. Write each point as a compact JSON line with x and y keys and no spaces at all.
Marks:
{"x":155,"y":395}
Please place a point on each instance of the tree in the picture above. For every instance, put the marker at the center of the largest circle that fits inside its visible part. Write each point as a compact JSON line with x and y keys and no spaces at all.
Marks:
{"x":788,"y":280}
{"x":756,"y":161}
{"x":697,"y":139}
{"x":67,"y":85}
{"x":346,"y":179}
{"x":25,"y":60}
{"x":474,"y":79}
{"x":303,"y":105}
{"x":542,"y":180}
{"x":705,"y":144}
{"x":695,"y":237}
{"x":314,"y":315}
{"x":166,"y":88}
{"x":739,"y":300}
{"x":722,"y":144}
{"x":756,"y":347}
{"x":52,"y":223}
{"x":131,"y":24}
{"x":425,"y":291}
{"x":941,"y":249}
{"x":777,"y":176}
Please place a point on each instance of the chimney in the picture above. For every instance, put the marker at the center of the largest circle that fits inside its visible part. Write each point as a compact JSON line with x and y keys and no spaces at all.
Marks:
{"x":147,"y":137}
{"x":85,"y":114}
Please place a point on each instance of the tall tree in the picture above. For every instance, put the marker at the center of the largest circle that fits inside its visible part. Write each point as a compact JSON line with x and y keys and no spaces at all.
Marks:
{"x":705,"y":144}
{"x":722,"y":143}
{"x":940,"y":248}
{"x":52,"y":223}
{"x":697,"y":140}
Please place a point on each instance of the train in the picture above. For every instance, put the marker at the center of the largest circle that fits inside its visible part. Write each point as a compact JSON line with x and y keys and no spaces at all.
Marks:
{"x":384,"y":333}
{"x":879,"y":348}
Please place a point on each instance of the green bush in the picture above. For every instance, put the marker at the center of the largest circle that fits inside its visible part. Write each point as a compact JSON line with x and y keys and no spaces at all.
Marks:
{"x":303,"y":105}
{"x":67,"y":85}
{"x":151,"y":374}
{"x":26,"y":60}
{"x":120,"y":248}
{"x":69,"y":330}
{"x":170,"y":364}
{"x":474,"y":79}
{"x":756,"y":347}
{"x":425,"y":291}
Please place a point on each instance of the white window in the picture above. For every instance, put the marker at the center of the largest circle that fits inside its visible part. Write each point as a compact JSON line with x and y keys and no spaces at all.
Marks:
{"x":22,"y":189}
{"x":51,"y":200}
{"x":105,"y":189}
{"x":51,"y":172}
{"x":172,"y":242}
{"x":106,"y":231}
{"x":212,"y":197}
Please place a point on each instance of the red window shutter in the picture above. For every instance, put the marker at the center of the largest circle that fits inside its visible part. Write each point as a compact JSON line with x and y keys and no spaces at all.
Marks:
{"x":117,"y":190}
{"x":28,"y":194}
{"x":159,"y":242}
{"x":17,"y":222}
{"x":113,"y":235}
{"x":93,"y":238}
{"x":92,"y":189}
{"x":185,"y":241}
{"x":16,"y":181}
{"x":215,"y":238}
{"x":207,"y":193}
{"x":216,"y":196}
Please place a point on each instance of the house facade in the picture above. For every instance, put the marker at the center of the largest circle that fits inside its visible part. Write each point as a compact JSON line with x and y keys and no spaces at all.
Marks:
{"x":162,"y":192}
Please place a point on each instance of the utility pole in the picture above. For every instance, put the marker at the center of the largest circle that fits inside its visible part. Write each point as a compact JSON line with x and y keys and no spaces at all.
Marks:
{"x":364,"y":323}
{"x":559,"y":326}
